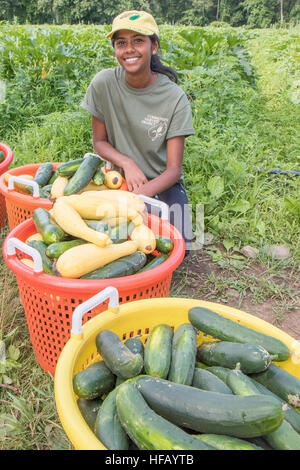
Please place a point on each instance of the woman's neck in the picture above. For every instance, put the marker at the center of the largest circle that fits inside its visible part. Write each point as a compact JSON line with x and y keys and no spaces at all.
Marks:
{"x":141,"y":80}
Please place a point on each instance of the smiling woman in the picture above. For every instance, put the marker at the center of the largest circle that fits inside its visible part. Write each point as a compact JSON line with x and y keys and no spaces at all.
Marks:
{"x":140,"y":116}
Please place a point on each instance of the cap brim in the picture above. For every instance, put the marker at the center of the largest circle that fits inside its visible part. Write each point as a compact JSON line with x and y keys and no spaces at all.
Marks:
{"x":144,"y":33}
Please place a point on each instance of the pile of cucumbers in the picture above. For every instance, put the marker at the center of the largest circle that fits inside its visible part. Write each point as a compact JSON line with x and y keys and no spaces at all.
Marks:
{"x":51,"y":242}
{"x":171,"y":393}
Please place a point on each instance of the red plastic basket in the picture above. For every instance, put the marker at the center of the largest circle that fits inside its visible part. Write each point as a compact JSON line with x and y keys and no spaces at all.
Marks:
{"x":8,"y":154}
{"x":49,"y":301}
{"x":20,"y":206}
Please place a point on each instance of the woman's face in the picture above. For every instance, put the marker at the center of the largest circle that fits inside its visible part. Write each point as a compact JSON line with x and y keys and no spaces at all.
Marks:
{"x":133,"y":51}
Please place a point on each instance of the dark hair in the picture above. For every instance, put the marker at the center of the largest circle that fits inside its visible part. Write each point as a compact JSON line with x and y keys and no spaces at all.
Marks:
{"x":155,"y":64}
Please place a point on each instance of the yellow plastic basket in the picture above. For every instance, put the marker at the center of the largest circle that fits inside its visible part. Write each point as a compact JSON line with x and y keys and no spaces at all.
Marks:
{"x":127,"y":320}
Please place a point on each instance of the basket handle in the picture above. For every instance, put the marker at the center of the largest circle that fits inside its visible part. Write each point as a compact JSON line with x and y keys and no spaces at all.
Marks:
{"x":13,"y":243}
{"x":110,"y":293}
{"x":18,"y":179}
{"x":156,"y":202}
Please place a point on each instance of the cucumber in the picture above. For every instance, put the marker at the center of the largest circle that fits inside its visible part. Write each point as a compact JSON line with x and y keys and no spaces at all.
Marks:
{"x":56,"y":249}
{"x":280,"y":382}
{"x":43,"y":174}
{"x":284,"y":437}
{"x":225,"y":329}
{"x":44,"y":194}
{"x":47,"y":263}
{"x":121,"y":361}
{"x":99,"y":176}
{"x":94,"y":381}
{"x":148,"y":430}
{"x":183,"y":355}
{"x":107,"y":425}
{"x":200,"y":365}
{"x":50,"y":232}
{"x":252,"y":357}
{"x":164,"y":244}
{"x":211,"y":412}
{"x":220,"y":442}
{"x":135,"y":345}
{"x":154,"y":262}
{"x":158,"y":351}
{"x":124,"y":266}
{"x":121,"y":232}
{"x":98,"y":226}
{"x":69,"y":168}
{"x":206,"y":380}
{"x":83,"y":175}
{"x":53,"y":177}
{"x":290,"y":413}
{"x":220,"y":372}
{"x":89,"y":410}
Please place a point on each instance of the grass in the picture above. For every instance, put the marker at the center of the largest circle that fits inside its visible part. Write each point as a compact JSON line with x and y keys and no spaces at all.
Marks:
{"x":239,"y":128}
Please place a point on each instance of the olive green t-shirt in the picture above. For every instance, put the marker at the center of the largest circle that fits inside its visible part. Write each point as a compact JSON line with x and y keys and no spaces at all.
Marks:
{"x":139,"y":121}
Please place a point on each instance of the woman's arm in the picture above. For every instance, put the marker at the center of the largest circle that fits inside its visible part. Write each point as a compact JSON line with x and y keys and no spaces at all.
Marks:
{"x":172,"y":173}
{"x":134,"y":176}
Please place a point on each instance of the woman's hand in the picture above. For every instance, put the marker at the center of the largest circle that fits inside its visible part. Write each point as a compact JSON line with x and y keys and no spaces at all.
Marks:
{"x":134,"y":176}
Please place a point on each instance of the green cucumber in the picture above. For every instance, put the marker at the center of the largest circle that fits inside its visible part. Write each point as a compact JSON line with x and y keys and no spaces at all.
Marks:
{"x":290,"y":413}
{"x":43,"y":174}
{"x":69,"y":168}
{"x":121,"y":232}
{"x":44,"y":194}
{"x":89,"y":410}
{"x":135,"y":345}
{"x":83,"y":175}
{"x":56,"y":249}
{"x":118,"y":357}
{"x":154,"y":262}
{"x":158,"y":351}
{"x":284,"y":437}
{"x":98,"y":226}
{"x":206,"y":380}
{"x":281,"y":382}
{"x":225,"y":329}
{"x":164,"y":244}
{"x":220,"y":372}
{"x":94,"y":381}
{"x":148,"y":430}
{"x":47,"y":263}
{"x":50,"y":232}
{"x":99,"y":176}
{"x":252,"y":357}
{"x":200,"y":365}
{"x":183,"y":356}
{"x":211,"y":412}
{"x":226,"y":442}
{"x":2,"y":156}
{"x":124,"y":266}
{"x":53,"y":177}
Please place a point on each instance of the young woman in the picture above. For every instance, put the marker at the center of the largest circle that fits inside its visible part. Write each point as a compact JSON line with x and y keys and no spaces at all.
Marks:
{"x":140,"y":116}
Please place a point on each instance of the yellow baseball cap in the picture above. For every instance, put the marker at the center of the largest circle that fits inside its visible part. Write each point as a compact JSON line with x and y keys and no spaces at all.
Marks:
{"x":134,"y":20}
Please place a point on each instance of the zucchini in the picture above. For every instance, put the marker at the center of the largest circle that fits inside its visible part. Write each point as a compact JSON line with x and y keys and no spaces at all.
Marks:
{"x":56,"y":249}
{"x":280,"y":382}
{"x":284,"y":437}
{"x":94,"y":381}
{"x":225,"y":329}
{"x":158,"y":351}
{"x":83,"y":175}
{"x":89,"y":410}
{"x":120,"y":233}
{"x":154,"y":262}
{"x":211,"y":412}
{"x":252,"y":357}
{"x":148,"y":430}
{"x":50,"y":232}
{"x":69,"y":168}
{"x":123,"y":266}
{"x":121,"y":361}
{"x":164,"y":244}
{"x":47,"y":263}
{"x":206,"y":380}
{"x":183,"y":354}
{"x":220,"y":442}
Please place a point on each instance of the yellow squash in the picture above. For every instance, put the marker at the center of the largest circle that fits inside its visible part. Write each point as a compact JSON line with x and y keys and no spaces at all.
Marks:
{"x":71,"y":222}
{"x":113,"y":179}
{"x":144,"y":237}
{"x":124,"y":197}
{"x":17,"y":185}
{"x":35,"y":236}
{"x":83,"y":259}
{"x":58,"y":186}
